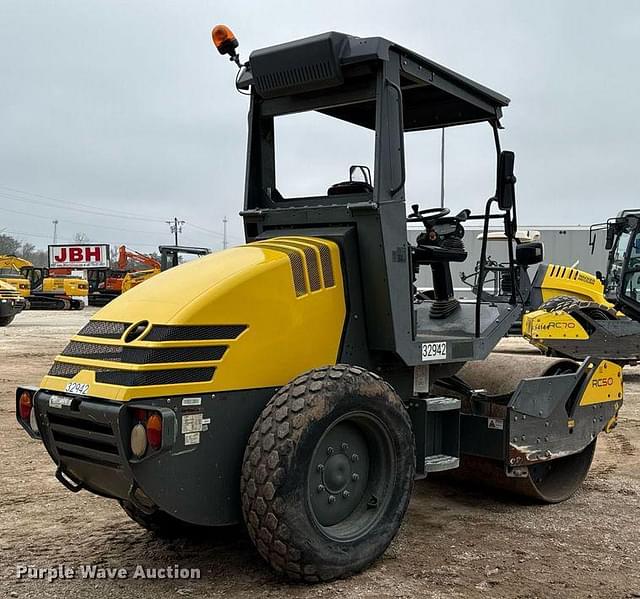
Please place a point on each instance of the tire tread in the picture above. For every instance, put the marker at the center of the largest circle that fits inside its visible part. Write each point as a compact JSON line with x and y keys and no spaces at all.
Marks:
{"x":271,"y":441}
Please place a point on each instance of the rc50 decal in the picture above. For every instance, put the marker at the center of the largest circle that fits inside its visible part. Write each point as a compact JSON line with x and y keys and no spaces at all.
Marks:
{"x":605,"y":384}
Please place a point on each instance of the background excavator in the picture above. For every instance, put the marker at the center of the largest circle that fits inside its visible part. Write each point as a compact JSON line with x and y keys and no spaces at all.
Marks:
{"x":133,"y":278}
{"x":43,"y":288}
{"x":105,"y":284}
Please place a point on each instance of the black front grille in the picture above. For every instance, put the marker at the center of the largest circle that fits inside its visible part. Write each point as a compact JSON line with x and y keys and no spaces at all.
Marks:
{"x":161,"y":332}
{"x":128,"y":378}
{"x":81,"y":439}
{"x":154,"y":377}
{"x":142,"y":355}
{"x":104,"y":329}
{"x":64,"y":370}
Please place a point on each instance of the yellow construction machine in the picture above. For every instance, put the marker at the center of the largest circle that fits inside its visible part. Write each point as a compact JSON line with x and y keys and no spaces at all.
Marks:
{"x":11,"y":303}
{"x":43,"y":288}
{"x":135,"y":277}
{"x":299,"y":383}
{"x":576,"y":314}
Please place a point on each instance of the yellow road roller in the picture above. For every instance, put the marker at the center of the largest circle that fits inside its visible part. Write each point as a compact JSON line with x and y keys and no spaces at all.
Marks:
{"x":299,"y":384}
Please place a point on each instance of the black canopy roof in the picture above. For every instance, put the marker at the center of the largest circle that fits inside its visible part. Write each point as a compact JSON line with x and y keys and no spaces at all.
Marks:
{"x":335,"y":73}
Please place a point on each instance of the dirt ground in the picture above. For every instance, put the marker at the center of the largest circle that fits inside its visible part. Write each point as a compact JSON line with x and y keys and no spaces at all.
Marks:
{"x":456,"y":542}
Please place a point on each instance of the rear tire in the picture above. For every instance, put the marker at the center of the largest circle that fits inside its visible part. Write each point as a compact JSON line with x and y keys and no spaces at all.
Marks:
{"x":328,"y":473}
{"x":6,"y":320}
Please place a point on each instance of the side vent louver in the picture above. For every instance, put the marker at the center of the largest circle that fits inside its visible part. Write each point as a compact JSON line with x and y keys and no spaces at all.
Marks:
{"x":311,"y":265}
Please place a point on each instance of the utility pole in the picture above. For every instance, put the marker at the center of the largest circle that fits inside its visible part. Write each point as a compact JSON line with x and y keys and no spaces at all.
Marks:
{"x":224,"y":233}
{"x":175,"y":226}
{"x":55,"y":231}
{"x":442,"y":171}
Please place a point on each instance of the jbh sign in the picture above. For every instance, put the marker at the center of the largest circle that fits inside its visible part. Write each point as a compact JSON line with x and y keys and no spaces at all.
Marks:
{"x":78,"y":256}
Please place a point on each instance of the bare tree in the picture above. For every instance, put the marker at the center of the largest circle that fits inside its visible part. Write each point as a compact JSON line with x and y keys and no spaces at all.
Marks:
{"x":81,"y":238}
{"x":9,"y":245}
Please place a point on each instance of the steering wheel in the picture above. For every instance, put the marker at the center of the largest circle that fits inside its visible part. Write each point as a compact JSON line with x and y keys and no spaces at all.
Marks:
{"x":426,"y":215}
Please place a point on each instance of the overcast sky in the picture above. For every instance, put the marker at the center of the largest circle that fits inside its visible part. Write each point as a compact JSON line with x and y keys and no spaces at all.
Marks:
{"x":117,"y":116}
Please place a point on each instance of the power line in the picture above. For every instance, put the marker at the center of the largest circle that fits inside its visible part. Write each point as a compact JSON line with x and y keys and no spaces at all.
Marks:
{"x":27,"y":234}
{"x":3,"y":231}
{"x":60,"y":204}
{"x":73,"y":222}
{"x":216,"y":233}
{"x":107,"y":242}
{"x":123,"y":213}
{"x":85,"y":210}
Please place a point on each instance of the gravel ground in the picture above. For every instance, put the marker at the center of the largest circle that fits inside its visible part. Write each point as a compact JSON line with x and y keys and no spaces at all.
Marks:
{"x":456,"y":541}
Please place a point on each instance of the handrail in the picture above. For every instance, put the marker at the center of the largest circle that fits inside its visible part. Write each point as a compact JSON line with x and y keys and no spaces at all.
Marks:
{"x":403,"y":171}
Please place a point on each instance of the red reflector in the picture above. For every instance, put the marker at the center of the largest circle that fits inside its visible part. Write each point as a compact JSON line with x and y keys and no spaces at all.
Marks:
{"x":25,"y":405}
{"x":154,"y":430}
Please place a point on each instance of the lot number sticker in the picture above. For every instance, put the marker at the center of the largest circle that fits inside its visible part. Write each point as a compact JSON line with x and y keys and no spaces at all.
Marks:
{"x":77,"y":388}
{"x":434,"y":351}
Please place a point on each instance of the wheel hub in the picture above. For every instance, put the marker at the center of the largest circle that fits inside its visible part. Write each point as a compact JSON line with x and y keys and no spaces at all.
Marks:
{"x":339,"y":473}
{"x":336,"y":473}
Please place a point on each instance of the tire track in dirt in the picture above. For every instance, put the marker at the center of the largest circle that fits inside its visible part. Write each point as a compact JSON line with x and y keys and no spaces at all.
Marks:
{"x":456,"y":542}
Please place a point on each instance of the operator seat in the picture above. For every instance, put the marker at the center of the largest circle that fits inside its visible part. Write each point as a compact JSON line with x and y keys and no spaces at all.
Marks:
{"x":353,"y":186}
{"x":439,"y":245}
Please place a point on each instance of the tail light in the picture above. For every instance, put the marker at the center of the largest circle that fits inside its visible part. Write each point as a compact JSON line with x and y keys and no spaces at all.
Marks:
{"x":154,"y":430}
{"x":146,"y":431}
{"x":140,"y":415}
{"x":25,"y":411}
{"x":25,"y":405}
{"x":138,"y":440}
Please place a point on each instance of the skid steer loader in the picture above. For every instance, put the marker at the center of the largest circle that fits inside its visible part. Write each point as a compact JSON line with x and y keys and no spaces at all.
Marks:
{"x":297,"y":382}
{"x":579,"y":314}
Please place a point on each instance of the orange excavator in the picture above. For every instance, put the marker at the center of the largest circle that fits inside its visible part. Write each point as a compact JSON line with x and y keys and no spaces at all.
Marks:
{"x":105,"y":284}
{"x":136,"y":277}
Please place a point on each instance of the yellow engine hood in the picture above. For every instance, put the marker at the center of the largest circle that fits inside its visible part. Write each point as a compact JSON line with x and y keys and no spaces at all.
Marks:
{"x":285,"y":296}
